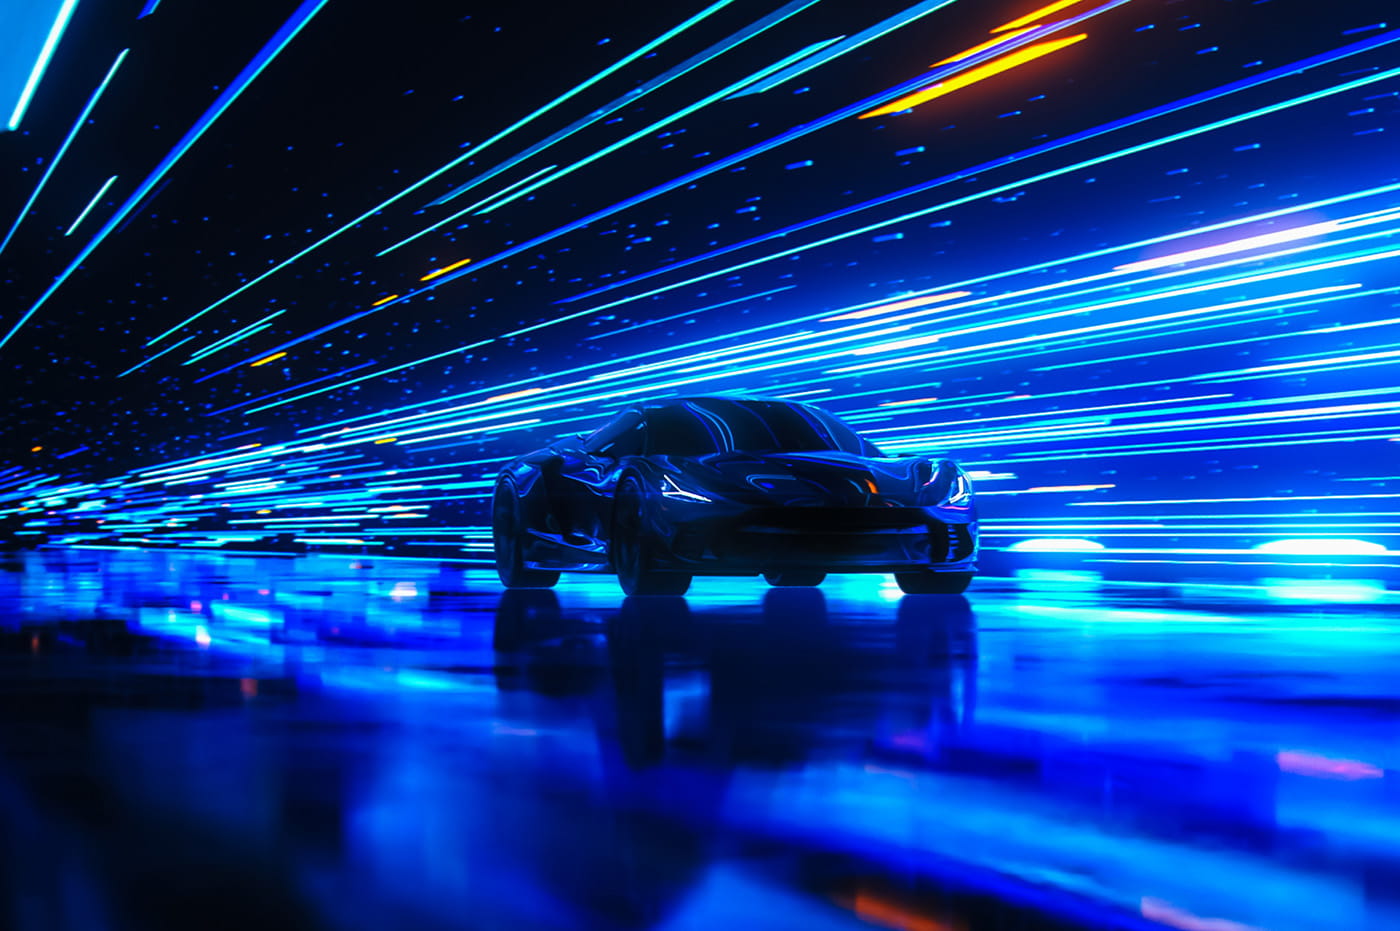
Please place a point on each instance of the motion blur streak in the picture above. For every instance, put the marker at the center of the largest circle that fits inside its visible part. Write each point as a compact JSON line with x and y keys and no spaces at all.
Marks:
{"x":465,"y":157}
{"x":275,"y":45}
{"x":980,"y":73}
{"x":62,"y":149}
{"x":1154,"y":274}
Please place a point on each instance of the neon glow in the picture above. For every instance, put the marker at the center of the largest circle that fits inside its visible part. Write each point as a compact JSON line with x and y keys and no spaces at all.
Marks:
{"x":41,"y":63}
{"x":92,"y":203}
{"x":981,"y":73}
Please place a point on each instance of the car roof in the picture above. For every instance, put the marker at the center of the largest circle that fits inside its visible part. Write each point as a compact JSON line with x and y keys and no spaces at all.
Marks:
{"x":685,"y":399}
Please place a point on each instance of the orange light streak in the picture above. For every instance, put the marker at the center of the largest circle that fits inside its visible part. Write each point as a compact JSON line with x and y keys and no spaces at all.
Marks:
{"x":980,"y":73}
{"x":35,"y":449}
{"x":383,"y":300}
{"x":1034,"y":17}
{"x":897,"y":305}
{"x":272,"y":358}
{"x":990,"y":43}
{"x":444,"y":270}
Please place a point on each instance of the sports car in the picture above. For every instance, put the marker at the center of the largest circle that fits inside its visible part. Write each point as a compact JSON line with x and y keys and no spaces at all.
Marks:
{"x":731,"y":486}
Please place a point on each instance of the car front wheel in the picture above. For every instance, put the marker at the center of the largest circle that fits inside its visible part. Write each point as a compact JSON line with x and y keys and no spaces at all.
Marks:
{"x":508,"y":539}
{"x":631,"y":547}
{"x":928,"y":582}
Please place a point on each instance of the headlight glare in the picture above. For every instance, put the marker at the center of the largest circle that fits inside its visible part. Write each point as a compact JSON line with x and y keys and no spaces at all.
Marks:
{"x":670,"y":489}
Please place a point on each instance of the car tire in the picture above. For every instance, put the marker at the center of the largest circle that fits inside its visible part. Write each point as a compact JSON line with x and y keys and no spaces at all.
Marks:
{"x":928,"y":582}
{"x":508,"y":541}
{"x":630,"y":548}
{"x":794,"y":578}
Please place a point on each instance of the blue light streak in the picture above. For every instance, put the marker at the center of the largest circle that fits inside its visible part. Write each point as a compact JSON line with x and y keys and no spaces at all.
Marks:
{"x":275,"y":45}
{"x":62,"y":149}
{"x":864,"y":37}
{"x":680,"y":114}
{"x":464,"y":211}
{"x":466,"y":156}
{"x":974,"y":171}
{"x":631,"y":97}
{"x":150,"y":359}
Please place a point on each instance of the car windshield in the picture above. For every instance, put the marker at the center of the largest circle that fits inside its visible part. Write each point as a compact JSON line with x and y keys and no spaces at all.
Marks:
{"x":703,"y":427}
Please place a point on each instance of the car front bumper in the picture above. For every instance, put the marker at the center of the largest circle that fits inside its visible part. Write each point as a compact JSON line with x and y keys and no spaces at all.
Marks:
{"x":691,"y":538}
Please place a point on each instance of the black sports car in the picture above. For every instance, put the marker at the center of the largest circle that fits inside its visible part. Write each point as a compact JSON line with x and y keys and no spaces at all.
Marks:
{"x":671,"y":489}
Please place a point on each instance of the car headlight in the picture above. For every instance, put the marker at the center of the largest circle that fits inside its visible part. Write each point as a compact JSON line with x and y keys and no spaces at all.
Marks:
{"x":670,"y":489}
{"x":947,"y":487}
{"x":960,"y":492}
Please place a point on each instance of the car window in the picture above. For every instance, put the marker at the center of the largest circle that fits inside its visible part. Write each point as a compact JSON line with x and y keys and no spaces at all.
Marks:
{"x":700,"y":428}
{"x":622,"y":436}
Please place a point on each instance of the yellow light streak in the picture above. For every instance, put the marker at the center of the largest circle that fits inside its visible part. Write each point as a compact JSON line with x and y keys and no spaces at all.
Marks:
{"x":980,"y":73}
{"x":897,"y":305}
{"x":383,"y":300}
{"x":272,"y":358}
{"x":444,"y":270}
{"x":990,"y":43}
{"x":514,"y":394}
{"x":1034,"y":17}
{"x":387,"y":439}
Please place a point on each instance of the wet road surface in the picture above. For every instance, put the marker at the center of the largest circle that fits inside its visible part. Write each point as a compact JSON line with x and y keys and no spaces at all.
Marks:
{"x":209,"y":741}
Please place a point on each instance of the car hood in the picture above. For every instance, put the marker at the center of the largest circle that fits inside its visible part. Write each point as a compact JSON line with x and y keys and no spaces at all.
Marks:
{"x":815,"y":478}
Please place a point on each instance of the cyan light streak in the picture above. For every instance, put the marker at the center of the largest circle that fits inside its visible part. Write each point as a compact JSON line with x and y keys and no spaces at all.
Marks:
{"x":690,"y":313}
{"x":976,"y":170}
{"x":150,"y":359}
{"x":148,"y":9}
{"x":295,"y":341}
{"x":469,"y":154}
{"x":362,"y":378}
{"x":680,"y":114}
{"x":62,"y":149}
{"x":275,"y":45}
{"x":864,"y":37}
{"x":234,"y":337}
{"x":631,"y":97}
{"x":464,"y":211}
{"x":41,"y":63}
{"x":730,"y":161}
{"x":92,"y":203}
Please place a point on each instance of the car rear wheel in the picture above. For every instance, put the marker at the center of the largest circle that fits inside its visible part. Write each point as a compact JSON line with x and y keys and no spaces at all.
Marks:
{"x":631,"y":548}
{"x":928,"y":582}
{"x":794,"y":578}
{"x":508,"y":534}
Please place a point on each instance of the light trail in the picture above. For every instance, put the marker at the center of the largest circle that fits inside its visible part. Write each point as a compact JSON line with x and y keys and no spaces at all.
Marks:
{"x":41,"y":64}
{"x":92,"y":203}
{"x":630,"y":98}
{"x":270,"y":51}
{"x":461,"y":159}
{"x":461,"y":213}
{"x":737,"y":158}
{"x":256,"y":326}
{"x":980,"y":73}
{"x":63,"y":148}
{"x":1245,"y":84}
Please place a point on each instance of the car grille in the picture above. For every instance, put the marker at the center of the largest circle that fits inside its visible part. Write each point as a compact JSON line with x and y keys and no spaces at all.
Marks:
{"x":833,"y":520}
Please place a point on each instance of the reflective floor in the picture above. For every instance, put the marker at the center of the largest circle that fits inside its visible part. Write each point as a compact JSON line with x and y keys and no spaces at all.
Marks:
{"x":203,"y":741}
